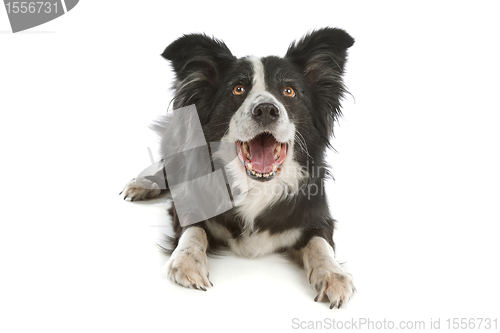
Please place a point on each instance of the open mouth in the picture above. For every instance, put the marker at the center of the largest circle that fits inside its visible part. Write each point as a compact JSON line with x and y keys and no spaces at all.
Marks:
{"x":262,"y":156}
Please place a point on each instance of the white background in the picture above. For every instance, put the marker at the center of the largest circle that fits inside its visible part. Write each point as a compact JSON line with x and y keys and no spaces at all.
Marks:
{"x":417,"y":169}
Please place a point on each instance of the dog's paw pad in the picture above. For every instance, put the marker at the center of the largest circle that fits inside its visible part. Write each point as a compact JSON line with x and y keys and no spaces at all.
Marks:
{"x":146,"y":190}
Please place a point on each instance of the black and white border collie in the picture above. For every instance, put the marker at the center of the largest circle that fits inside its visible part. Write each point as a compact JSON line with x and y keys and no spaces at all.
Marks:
{"x":279,"y":113}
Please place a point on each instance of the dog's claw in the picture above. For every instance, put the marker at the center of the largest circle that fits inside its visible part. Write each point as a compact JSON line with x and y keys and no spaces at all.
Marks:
{"x":135,"y":192}
{"x":203,"y":288}
{"x":333,"y":305}
{"x":340,"y":304}
{"x":316,"y":298}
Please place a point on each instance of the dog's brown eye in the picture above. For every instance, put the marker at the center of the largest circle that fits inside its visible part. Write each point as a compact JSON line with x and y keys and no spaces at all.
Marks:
{"x":289,"y":92}
{"x":238,"y":90}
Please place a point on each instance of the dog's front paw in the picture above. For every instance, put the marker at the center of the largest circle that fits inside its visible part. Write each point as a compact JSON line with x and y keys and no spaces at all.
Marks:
{"x":188,"y":267}
{"x":338,"y":287}
{"x":146,"y":190}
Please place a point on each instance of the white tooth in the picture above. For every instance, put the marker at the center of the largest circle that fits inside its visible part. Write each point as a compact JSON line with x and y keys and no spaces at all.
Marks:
{"x":249,"y":166}
{"x":249,"y":156}
{"x":245,"y":147}
{"x":253,"y":172}
{"x":259,"y":175}
{"x":277,"y":151}
{"x":275,"y":168}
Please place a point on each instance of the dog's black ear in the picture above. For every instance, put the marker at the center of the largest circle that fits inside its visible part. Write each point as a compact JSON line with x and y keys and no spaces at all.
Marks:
{"x":322,"y":52}
{"x":321,"y":56}
{"x":198,"y":56}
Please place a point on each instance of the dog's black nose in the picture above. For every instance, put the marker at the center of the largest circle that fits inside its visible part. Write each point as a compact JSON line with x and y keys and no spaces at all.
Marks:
{"x":265,"y":113}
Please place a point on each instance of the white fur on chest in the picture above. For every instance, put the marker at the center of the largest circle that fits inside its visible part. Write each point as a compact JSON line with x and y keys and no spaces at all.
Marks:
{"x":255,"y":244}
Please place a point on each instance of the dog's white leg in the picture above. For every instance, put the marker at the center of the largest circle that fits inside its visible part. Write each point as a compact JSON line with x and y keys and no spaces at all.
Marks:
{"x":188,"y":264}
{"x":325,"y":274}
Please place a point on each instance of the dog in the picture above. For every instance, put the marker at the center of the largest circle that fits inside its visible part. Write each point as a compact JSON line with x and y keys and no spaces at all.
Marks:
{"x":278,"y":113}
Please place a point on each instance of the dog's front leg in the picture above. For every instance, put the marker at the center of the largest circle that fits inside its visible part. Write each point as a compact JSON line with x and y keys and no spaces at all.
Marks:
{"x":325,"y":274}
{"x":187,"y":265}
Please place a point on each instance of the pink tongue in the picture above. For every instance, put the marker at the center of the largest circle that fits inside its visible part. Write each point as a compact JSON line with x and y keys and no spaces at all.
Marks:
{"x":262,"y":151}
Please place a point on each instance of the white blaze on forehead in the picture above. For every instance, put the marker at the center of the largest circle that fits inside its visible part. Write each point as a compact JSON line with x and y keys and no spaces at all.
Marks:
{"x":259,"y":82}
{"x":259,"y":91}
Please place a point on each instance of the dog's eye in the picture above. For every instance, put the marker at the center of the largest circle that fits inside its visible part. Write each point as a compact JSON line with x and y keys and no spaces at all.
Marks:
{"x":238,"y":89}
{"x":288,"y":92}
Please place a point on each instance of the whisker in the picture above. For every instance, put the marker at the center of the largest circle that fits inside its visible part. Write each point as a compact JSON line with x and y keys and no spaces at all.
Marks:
{"x":302,"y":143}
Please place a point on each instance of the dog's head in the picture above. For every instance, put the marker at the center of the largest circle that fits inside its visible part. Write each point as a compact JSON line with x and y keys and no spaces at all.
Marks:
{"x":276,"y":110}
